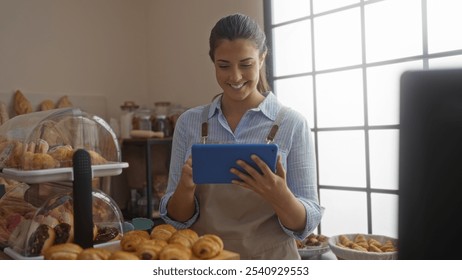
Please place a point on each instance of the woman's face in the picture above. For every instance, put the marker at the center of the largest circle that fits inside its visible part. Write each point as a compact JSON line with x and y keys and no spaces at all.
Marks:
{"x":237,"y":67}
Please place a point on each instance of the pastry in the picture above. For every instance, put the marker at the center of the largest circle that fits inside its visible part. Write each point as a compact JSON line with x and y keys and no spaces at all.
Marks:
{"x":150,"y":249}
{"x":63,"y":154}
{"x":208,"y":246}
{"x":130,"y":242}
{"x":65,"y":251}
{"x":122,"y":255}
{"x":64,"y":233}
{"x":40,"y":240}
{"x":96,"y":158}
{"x":141,"y":233}
{"x":106,"y":234}
{"x":35,"y":161}
{"x":64,"y":102}
{"x":21,"y":104}
{"x":175,"y":252}
{"x":4,"y":115}
{"x":163,"y":232}
{"x":94,"y":254}
{"x":46,"y":105}
{"x":186,"y":237}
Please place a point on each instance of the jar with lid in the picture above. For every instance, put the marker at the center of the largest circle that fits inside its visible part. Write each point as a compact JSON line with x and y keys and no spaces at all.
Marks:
{"x":143,"y":119}
{"x":161,"y":122}
{"x":126,"y":119}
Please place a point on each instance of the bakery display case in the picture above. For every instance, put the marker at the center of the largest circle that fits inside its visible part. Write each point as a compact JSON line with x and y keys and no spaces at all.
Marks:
{"x":35,"y":217}
{"x":48,"y":161}
{"x":38,"y":147}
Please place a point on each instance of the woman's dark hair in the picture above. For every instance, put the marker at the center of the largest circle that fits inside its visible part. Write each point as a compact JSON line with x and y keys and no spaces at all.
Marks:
{"x":239,"y":26}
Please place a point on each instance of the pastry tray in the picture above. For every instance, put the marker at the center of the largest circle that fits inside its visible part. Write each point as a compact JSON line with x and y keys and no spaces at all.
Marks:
{"x":61,"y":174}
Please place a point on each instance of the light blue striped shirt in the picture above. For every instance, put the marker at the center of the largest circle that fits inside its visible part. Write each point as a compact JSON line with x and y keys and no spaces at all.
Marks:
{"x":294,"y":139}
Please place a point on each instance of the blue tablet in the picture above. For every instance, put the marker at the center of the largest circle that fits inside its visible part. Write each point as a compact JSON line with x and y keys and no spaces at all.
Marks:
{"x":212,"y":162}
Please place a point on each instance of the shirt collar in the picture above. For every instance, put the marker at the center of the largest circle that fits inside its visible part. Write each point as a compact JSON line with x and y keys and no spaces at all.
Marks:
{"x":269,"y":106}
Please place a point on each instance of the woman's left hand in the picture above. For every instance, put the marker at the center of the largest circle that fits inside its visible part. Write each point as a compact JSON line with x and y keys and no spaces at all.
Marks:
{"x":268,"y":184}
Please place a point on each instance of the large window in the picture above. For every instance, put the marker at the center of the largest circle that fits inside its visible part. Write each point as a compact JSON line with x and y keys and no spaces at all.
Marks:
{"x":339,"y":62}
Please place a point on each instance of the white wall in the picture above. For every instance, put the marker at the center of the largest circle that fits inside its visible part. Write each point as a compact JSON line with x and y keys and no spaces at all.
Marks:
{"x":141,"y":50}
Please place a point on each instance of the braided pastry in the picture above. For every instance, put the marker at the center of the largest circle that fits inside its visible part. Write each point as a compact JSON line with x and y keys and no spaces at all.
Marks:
{"x":208,"y":246}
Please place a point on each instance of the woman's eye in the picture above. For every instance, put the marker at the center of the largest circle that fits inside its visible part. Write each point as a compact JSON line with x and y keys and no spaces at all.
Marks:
{"x":223,"y":66}
{"x":246,"y":65}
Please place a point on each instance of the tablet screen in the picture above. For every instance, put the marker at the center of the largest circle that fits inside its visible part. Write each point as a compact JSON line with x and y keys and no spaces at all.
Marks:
{"x":212,"y":162}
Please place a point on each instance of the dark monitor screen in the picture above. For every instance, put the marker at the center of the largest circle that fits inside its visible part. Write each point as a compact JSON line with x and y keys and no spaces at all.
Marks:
{"x":430,"y":165}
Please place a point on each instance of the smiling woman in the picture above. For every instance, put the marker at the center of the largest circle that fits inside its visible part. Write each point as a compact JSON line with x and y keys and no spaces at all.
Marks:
{"x":262,"y":210}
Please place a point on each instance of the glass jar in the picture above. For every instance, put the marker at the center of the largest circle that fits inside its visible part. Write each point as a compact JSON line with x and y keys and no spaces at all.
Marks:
{"x":143,"y":119}
{"x":126,"y":119}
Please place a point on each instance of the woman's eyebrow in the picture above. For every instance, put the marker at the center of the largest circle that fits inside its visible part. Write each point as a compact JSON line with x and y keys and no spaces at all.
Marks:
{"x":242,"y":60}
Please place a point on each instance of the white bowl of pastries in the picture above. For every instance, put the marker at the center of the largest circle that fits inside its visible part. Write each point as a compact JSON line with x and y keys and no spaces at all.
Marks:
{"x":358,"y":246}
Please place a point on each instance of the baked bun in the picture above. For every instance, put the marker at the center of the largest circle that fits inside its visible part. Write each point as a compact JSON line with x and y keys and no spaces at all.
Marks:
{"x":163,"y":232}
{"x":21,"y":104}
{"x":94,"y":254}
{"x":175,"y":252}
{"x":122,"y":255}
{"x":186,"y":237}
{"x":40,"y":240}
{"x":63,"y":154}
{"x":63,"y":102}
{"x":150,"y":249}
{"x":208,"y":246}
{"x":131,"y":240}
{"x":96,"y":158}
{"x":65,"y":251}
{"x":46,"y":105}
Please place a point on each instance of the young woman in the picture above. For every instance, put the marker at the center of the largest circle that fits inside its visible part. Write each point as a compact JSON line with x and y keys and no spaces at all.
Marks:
{"x":260,"y":215}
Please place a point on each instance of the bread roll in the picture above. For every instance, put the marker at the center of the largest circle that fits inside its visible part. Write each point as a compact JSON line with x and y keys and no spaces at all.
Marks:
{"x":208,"y":246}
{"x":175,"y":252}
{"x":65,"y":251}
{"x":21,"y":104}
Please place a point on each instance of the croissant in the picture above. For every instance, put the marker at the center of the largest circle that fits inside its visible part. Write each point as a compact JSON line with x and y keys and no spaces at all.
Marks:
{"x":130,"y":242}
{"x":208,"y":246}
{"x":150,"y":249}
{"x":163,"y":232}
{"x":65,"y":251}
{"x":175,"y":252}
{"x":185,"y":237}
{"x":122,"y":255}
{"x":94,"y":254}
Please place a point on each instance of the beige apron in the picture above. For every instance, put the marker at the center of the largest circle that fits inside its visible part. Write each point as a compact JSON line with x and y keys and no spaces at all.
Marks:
{"x":246,"y":223}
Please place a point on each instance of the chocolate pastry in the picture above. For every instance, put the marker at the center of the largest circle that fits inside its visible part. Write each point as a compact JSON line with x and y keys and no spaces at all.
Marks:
{"x":106,"y":234}
{"x":40,"y":240}
{"x":175,"y":252}
{"x":208,"y":246}
{"x":150,"y":249}
{"x":186,"y":237}
{"x":122,"y":255}
{"x":63,"y":233}
{"x":163,"y":232}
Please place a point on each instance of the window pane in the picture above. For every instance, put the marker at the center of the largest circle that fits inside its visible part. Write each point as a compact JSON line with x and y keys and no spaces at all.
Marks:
{"x":297,"y":93}
{"x":339,"y":97}
{"x":285,"y":10}
{"x":292,"y":48}
{"x":341,"y":158}
{"x":444,"y":22}
{"x":345,"y":212}
{"x":383,"y":92}
{"x":393,"y":29}
{"x":385,"y":214}
{"x":446,"y":62}
{"x":323,"y":5}
{"x":383,"y":151}
{"x":338,"y":39}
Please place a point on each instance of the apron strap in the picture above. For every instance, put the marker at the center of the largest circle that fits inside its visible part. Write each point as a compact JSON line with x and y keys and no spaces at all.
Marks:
{"x":269,"y":138}
{"x":205,"y":124}
{"x":277,"y":123}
